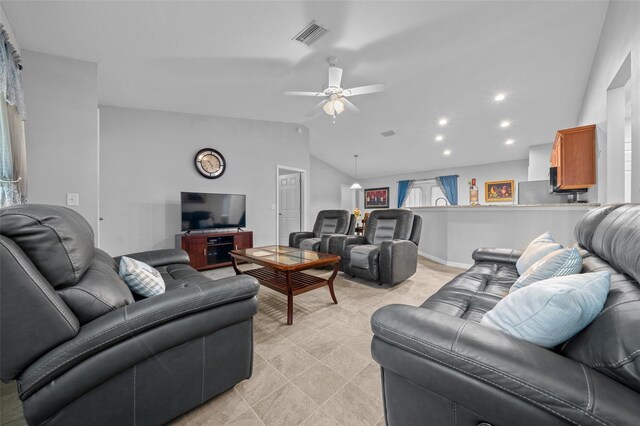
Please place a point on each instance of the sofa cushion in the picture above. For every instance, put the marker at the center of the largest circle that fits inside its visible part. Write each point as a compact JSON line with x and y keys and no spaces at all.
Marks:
{"x":587,"y":225}
{"x":551,"y":311}
{"x":365,"y":257}
{"x":536,"y":250}
{"x":556,"y":264}
{"x":388,"y":224}
{"x":58,"y":240}
{"x":312,"y":244}
{"x":99,"y":291}
{"x":141,"y":278}
{"x":331,"y":222}
{"x":611,"y":343}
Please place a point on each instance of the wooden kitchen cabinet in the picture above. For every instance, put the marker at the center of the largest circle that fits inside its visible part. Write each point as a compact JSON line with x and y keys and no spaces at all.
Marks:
{"x":573,"y":159}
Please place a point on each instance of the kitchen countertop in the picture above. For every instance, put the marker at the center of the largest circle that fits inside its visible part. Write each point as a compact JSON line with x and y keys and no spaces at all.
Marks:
{"x":511,"y":206}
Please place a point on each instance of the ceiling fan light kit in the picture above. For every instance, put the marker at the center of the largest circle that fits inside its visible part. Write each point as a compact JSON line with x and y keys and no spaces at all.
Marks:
{"x":337,"y":101}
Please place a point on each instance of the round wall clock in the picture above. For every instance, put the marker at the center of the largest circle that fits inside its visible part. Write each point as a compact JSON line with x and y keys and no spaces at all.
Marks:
{"x":210,"y":163}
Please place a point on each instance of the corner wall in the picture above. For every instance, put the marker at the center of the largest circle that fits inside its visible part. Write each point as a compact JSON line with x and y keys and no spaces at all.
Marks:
{"x":620,"y":37}
{"x":146,"y":160}
{"x":61,"y":130}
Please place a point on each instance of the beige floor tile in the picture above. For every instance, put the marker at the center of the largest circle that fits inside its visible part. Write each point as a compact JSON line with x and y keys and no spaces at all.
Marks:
{"x":219,"y":410}
{"x":257,"y":359}
{"x":340,"y":332}
{"x":286,"y":406}
{"x":346,"y":362}
{"x":296,"y":332}
{"x":319,"y":382}
{"x":321,"y":418}
{"x":360,"y":344}
{"x":381,"y":422}
{"x":292,"y":361}
{"x":247,"y":418}
{"x":354,"y":407}
{"x":272,"y":346}
{"x":369,"y":380}
{"x":265,"y":380}
{"x":319,"y":345}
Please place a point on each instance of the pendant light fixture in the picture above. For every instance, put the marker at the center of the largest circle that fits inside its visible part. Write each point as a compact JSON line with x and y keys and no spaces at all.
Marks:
{"x":356,"y":185}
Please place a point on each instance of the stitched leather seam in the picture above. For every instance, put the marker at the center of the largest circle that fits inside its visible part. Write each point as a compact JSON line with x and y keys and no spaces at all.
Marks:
{"x":586,"y":377}
{"x":52,"y":301}
{"x":458,"y":333}
{"x":75,"y":268}
{"x":478,"y":377}
{"x":200,"y":307}
{"x":617,"y":363}
{"x":486,"y":367}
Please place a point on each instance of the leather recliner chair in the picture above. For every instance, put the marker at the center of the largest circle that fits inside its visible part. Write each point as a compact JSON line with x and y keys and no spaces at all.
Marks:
{"x":388,"y":250}
{"x":329,"y":223}
{"x":84,"y":350}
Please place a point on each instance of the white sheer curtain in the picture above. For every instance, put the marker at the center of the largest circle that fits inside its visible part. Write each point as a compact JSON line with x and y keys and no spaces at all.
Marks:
{"x":13,"y":165}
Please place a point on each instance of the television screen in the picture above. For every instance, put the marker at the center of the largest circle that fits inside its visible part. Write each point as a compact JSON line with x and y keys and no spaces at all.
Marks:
{"x":208,"y":211}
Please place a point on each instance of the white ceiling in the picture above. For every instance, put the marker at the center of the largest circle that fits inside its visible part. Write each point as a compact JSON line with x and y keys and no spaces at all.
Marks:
{"x":437,"y":59}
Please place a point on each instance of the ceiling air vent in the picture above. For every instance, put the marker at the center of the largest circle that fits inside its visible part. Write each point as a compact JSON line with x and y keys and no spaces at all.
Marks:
{"x":311,"y":33}
{"x":388,"y":133}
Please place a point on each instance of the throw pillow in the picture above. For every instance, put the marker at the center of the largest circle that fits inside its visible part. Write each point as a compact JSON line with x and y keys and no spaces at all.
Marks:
{"x":556,"y":264}
{"x":141,"y":278}
{"x":550,"y":312}
{"x":536,"y":250}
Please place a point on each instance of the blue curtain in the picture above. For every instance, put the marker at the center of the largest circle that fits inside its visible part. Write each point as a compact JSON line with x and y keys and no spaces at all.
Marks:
{"x":449,"y":185}
{"x":403,"y":190}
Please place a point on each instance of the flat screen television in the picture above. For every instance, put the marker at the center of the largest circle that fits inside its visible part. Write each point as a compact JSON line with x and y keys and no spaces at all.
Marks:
{"x":212,"y":211}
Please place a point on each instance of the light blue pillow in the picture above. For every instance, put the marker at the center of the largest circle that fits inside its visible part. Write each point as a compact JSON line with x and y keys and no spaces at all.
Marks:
{"x":536,"y":250}
{"x":556,"y":264}
{"x":550,"y":312}
{"x":140,"y":277}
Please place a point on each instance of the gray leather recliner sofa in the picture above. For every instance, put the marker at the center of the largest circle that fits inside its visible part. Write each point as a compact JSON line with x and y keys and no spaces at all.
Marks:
{"x":329,"y":223}
{"x":84,"y":351}
{"x":440,"y":366}
{"x":388,"y":250}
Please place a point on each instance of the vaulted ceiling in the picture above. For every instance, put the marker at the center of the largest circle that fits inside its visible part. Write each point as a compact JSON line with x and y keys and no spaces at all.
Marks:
{"x":438,"y":59}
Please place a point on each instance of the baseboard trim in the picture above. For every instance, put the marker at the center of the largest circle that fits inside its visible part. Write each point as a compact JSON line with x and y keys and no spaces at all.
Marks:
{"x":445,"y":262}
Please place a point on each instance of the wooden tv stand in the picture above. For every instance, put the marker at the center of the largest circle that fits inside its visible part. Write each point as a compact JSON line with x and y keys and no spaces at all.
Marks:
{"x":211,"y":249}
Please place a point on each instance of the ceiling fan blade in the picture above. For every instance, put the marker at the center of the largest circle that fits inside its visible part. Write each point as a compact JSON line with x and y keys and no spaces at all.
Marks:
{"x":349,"y":106}
{"x":316,"y":109}
{"x":304,"y":94}
{"x":335,"y":76}
{"x":363,"y":90}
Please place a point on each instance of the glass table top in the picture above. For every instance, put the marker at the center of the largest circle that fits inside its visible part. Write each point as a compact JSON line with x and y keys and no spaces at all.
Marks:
{"x":283,"y":255}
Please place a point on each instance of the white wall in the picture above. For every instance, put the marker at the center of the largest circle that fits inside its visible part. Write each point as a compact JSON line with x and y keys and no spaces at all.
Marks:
{"x":516,"y":170}
{"x":539,"y":161}
{"x":620,"y":37}
{"x":146,"y":159}
{"x":7,"y":26}
{"x":61,"y":96}
{"x":326,"y":187}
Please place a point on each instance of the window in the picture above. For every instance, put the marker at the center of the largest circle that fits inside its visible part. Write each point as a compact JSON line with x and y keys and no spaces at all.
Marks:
{"x":425,"y":193}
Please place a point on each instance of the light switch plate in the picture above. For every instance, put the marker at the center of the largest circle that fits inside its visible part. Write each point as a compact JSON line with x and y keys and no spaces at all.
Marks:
{"x":273,"y":206}
{"x":73,"y":199}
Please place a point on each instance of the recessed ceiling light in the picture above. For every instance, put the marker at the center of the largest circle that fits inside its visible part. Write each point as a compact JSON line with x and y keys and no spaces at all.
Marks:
{"x":439,"y":138}
{"x":505,"y":123}
{"x":443,"y":121}
{"x":447,"y":152}
{"x":509,"y":142}
{"x":500,"y":97}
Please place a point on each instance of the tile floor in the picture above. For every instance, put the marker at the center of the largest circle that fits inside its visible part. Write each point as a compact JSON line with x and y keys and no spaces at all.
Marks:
{"x":318,"y":371}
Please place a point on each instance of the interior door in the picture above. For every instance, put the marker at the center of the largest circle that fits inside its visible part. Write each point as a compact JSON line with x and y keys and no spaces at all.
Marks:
{"x":290,"y":205}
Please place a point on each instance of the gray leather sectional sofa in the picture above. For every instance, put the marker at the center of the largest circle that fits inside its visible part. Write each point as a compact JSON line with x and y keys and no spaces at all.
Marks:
{"x":84,"y":351}
{"x":439,"y":366}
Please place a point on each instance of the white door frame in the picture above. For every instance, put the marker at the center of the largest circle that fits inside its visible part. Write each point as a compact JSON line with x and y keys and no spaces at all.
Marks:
{"x":304,"y":186}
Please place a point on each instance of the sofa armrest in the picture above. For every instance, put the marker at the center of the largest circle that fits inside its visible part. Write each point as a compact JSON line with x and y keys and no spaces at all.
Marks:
{"x":158,"y":257}
{"x":504,"y":255}
{"x":486,"y":370}
{"x":340,"y":242}
{"x":132,"y":320}
{"x":398,"y":260}
{"x":296,"y":237}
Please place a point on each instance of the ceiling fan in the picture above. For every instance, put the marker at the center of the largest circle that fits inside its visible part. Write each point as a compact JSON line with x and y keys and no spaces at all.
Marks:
{"x":336,"y":100}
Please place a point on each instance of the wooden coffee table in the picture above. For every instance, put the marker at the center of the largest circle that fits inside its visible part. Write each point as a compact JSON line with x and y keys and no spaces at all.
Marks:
{"x":281,"y":270}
